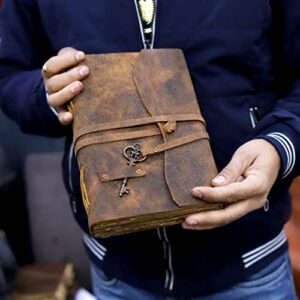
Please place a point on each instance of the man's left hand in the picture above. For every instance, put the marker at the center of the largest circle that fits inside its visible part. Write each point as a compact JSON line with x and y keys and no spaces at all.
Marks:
{"x":244,"y":185}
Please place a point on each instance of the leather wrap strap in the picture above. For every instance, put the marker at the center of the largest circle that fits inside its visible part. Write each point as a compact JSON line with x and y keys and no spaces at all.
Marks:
{"x":115,"y":137}
{"x":136,"y":122}
{"x":175,"y":143}
{"x":140,"y":134}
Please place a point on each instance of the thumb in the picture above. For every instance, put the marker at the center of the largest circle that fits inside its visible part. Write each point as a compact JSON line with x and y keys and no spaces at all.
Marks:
{"x":234,"y":171}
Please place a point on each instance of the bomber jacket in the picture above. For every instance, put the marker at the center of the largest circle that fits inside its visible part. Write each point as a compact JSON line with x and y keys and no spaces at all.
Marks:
{"x":244,"y":60}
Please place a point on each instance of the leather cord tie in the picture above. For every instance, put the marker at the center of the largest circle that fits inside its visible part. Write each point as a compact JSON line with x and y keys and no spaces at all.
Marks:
{"x":174,"y":143}
{"x":136,"y":122}
{"x":170,"y":127}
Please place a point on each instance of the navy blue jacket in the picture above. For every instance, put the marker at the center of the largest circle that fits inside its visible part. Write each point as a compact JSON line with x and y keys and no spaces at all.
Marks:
{"x":244,"y":59}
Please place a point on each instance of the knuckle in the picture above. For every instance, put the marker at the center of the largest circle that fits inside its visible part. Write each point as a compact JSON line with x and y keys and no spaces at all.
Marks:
{"x":66,"y":96}
{"x":233,"y":169}
{"x":73,"y":57}
{"x":50,"y":64}
{"x":73,"y":89}
{"x":241,"y":156}
{"x":50,"y":86}
{"x":230,"y":197}
{"x":58,"y":99}
{"x":70,"y":55}
{"x":66,"y":50}
{"x":66,"y":78}
{"x":52,"y":100}
{"x":227,"y":171}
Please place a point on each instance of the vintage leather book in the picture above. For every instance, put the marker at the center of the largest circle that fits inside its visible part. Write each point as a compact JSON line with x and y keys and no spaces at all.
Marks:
{"x":140,"y":141}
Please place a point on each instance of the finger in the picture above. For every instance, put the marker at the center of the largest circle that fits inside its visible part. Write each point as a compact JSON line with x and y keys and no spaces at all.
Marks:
{"x":236,"y":168}
{"x":65,"y":117}
{"x":60,"y":98}
{"x":217,"y":218}
{"x":66,"y":50}
{"x":253,"y":185}
{"x":58,"y":64}
{"x":58,"y":82}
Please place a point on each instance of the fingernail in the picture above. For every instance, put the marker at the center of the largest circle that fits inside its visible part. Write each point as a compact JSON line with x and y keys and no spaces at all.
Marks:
{"x":75,"y":88}
{"x":67,"y":118}
{"x":192,"y":222}
{"x":186,"y":226}
{"x":197,"y":192}
{"x":79,"y":56}
{"x":219,"y":179}
{"x":83,"y":71}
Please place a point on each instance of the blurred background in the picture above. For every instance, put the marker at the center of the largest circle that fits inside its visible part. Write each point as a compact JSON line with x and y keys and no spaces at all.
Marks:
{"x":34,"y":205}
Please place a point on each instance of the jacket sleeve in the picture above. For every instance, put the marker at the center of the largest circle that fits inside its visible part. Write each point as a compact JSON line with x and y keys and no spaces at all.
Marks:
{"x":281,"y":127}
{"x":23,"y":50}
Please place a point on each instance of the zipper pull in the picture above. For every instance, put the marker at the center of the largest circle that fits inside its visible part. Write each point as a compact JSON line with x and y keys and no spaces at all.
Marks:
{"x":146,"y":10}
{"x":267,"y":206}
{"x":254,"y":116}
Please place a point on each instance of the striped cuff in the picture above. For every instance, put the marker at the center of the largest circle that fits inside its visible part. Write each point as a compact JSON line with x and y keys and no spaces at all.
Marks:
{"x":256,"y":255}
{"x":289,"y":150}
{"x":98,"y":250}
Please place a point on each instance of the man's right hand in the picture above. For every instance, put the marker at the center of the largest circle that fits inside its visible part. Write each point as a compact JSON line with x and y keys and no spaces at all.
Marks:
{"x":62,"y":78}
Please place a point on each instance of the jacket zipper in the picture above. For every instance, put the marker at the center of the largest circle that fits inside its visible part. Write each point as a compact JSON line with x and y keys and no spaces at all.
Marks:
{"x":162,"y":232}
{"x":254,"y":118}
{"x":169,"y":278}
{"x":149,"y":42}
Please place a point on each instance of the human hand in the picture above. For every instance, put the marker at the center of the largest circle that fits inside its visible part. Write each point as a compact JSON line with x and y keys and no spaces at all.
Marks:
{"x":62,"y":78}
{"x":243,"y":184}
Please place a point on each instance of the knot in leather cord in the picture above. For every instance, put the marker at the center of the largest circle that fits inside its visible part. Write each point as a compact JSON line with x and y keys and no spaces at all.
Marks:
{"x":170,"y":127}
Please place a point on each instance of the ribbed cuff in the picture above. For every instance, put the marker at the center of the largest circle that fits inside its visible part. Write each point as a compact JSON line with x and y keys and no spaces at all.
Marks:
{"x":282,"y":138}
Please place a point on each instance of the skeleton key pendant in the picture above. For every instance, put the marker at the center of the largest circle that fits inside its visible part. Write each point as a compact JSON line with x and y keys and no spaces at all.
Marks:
{"x":124,"y":189}
{"x":133,"y":155}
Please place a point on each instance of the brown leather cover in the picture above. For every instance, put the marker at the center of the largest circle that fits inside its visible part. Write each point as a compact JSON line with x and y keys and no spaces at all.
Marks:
{"x":145,"y":98}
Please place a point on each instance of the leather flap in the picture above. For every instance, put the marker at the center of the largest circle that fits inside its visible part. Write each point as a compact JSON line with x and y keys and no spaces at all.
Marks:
{"x":165,"y":87}
{"x":164,"y":83}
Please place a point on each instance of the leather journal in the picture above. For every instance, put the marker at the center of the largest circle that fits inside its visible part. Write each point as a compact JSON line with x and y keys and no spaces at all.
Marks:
{"x":140,"y":142}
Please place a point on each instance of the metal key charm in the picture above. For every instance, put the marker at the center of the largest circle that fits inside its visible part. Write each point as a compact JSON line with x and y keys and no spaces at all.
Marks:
{"x":133,"y":155}
{"x":124,"y":188}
